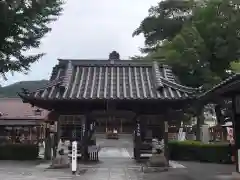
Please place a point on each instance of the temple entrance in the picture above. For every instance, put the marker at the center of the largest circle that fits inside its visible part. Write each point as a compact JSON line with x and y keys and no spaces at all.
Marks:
{"x":108,"y":123}
{"x":115,"y":138}
{"x":71,"y":127}
{"x":123,"y":125}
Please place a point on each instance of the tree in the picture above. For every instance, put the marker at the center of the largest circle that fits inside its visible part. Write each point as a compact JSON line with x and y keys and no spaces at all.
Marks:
{"x":235,"y":67}
{"x":218,"y":22}
{"x":186,"y":53}
{"x":203,"y":48}
{"x":22,"y":25}
{"x":164,"y":21}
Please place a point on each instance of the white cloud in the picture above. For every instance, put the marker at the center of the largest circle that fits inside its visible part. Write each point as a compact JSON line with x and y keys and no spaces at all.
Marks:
{"x":90,"y":29}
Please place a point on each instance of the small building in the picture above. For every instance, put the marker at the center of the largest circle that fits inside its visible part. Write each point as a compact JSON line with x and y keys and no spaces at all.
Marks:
{"x":19,"y":122}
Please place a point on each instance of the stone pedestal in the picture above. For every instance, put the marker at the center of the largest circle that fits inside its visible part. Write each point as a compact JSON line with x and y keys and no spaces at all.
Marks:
{"x":60,"y":162}
{"x":158,"y":160}
{"x":205,"y":134}
{"x":157,"y":163}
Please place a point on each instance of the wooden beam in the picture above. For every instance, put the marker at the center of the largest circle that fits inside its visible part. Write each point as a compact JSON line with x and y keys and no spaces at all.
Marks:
{"x":167,"y":117}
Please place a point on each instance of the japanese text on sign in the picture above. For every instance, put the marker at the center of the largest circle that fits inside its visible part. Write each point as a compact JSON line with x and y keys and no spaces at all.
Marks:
{"x":83,"y":129}
{"x":74,"y":156}
{"x":138,"y":129}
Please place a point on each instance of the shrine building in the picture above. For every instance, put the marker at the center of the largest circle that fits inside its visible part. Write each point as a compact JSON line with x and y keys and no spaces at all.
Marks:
{"x":128,"y":95}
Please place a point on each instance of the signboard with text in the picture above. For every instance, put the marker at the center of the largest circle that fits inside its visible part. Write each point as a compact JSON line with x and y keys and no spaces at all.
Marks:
{"x":74,"y":156}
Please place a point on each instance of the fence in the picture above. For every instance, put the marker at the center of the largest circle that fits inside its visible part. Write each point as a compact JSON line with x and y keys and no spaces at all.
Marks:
{"x":93,"y":152}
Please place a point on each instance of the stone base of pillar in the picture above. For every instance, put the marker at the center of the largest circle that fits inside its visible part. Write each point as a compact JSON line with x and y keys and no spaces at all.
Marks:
{"x":158,"y":160}
{"x":136,"y":154}
{"x":156,"y":163}
{"x":60,"y":162}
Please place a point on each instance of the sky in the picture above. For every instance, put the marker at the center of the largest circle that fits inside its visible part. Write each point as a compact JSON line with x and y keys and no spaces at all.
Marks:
{"x":89,"y":29}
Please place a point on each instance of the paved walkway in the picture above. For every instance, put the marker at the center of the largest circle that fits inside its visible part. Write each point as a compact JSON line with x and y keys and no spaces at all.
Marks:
{"x":19,"y":172}
{"x":88,"y":174}
{"x":116,"y":163}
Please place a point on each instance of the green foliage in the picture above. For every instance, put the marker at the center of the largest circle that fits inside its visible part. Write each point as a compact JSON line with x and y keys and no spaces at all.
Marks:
{"x":164,"y":21}
{"x":218,"y":22}
{"x":235,"y":67}
{"x":186,"y":53}
{"x":23,"y":24}
{"x":200,"y":50}
{"x":18,"y":152}
{"x":197,"y":151}
{"x":13,"y":89}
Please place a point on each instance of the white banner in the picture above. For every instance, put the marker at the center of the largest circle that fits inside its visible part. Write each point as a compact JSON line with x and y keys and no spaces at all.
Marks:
{"x":181,"y":135}
{"x":230,"y":134}
{"x":74,"y":156}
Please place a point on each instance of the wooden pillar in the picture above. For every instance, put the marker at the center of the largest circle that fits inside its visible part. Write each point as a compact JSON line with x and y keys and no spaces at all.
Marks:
{"x":236,"y":126}
{"x":121,"y":129}
{"x":55,"y":138}
{"x":47,"y":151}
{"x":165,"y":134}
{"x":219,"y":115}
{"x":38,"y":134}
{"x":89,"y":128}
{"x":84,"y":136}
{"x":86,"y":124}
{"x":30,"y":134}
{"x":106,"y":124}
{"x":200,"y":120}
{"x":53,"y":117}
{"x":43,"y":131}
{"x":83,"y":127}
{"x":13,"y":135}
{"x":137,"y":139}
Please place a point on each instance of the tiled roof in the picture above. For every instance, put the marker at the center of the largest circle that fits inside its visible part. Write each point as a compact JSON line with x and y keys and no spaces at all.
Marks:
{"x":226,"y":87}
{"x":108,"y":79}
{"x":14,"y":108}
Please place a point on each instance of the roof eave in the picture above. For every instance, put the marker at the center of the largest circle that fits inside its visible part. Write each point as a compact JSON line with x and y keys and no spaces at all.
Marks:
{"x":226,"y":88}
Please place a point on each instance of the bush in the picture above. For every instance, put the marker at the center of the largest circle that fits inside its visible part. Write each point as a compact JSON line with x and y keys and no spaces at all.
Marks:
{"x":18,"y":152}
{"x":197,"y":151}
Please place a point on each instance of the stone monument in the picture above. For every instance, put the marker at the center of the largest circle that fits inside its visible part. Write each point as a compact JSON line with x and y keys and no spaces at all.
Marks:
{"x":157,"y":162}
{"x":61,"y":159}
{"x":205,"y":134}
